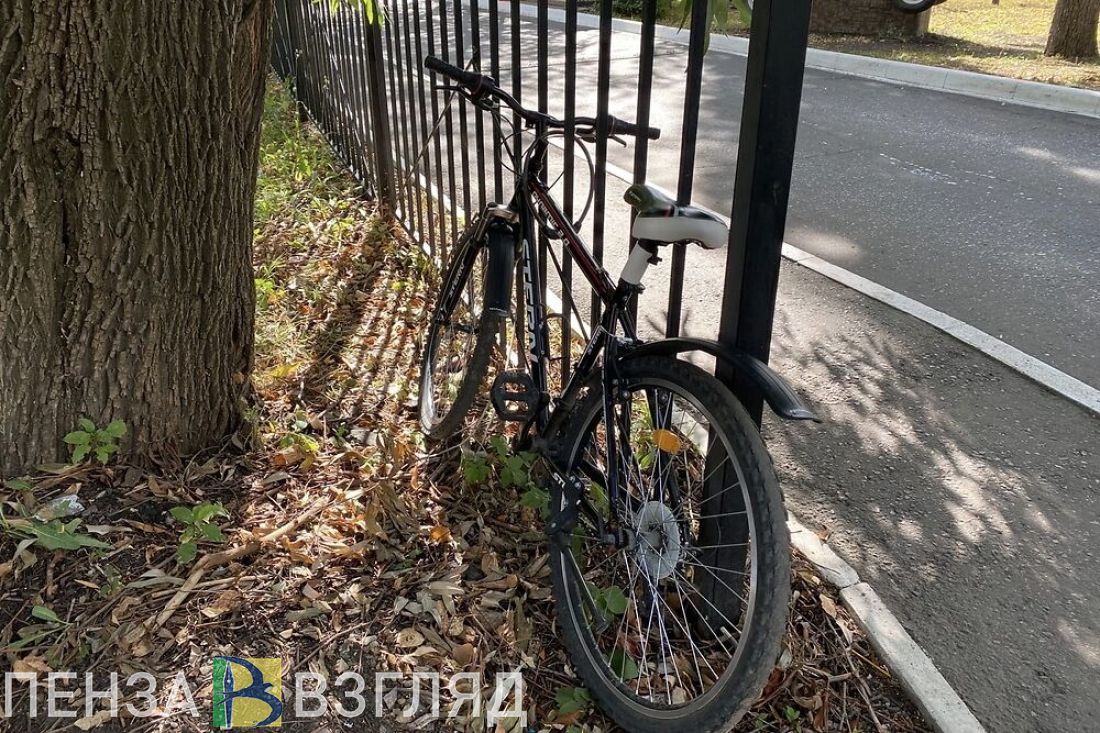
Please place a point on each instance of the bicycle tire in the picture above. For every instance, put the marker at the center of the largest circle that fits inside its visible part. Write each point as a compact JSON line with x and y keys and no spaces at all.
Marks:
{"x":477,"y":367}
{"x":739,"y":686}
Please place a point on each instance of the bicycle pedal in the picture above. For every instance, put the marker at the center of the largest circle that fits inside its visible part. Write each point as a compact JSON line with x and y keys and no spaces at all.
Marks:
{"x":514,"y":396}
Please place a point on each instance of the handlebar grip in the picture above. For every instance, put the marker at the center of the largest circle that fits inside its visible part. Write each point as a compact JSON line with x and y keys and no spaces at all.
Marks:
{"x":473,"y":81}
{"x":622,"y":127}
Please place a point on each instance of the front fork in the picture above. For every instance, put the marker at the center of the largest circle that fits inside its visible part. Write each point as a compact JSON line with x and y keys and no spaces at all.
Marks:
{"x":567,"y":480}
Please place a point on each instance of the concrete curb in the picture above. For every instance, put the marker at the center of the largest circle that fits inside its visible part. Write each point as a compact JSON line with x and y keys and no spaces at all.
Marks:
{"x":938,"y":702}
{"x":1070,"y":100}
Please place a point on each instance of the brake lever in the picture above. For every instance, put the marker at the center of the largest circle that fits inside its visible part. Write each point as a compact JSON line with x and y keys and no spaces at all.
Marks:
{"x":617,"y":139}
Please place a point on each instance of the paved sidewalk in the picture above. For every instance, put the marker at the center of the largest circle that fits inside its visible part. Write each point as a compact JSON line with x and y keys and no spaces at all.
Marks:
{"x":968,"y":496}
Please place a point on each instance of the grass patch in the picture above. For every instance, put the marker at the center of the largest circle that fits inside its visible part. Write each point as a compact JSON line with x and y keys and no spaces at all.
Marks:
{"x":1004,"y":39}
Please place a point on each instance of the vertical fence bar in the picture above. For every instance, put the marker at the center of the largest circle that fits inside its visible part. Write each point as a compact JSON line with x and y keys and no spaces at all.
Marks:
{"x":494,"y":66}
{"x":445,"y":53}
{"x":765,"y":158}
{"x":517,"y":64}
{"x":362,"y":126}
{"x":402,"y":169}
{"x":428,"y":193}
{"x":336,"y":94}
{"x":646,"y":52}
{"x":412,"y":66}
{"x":463,"y":112}
{"x":543,"y":93}
{"x":324,"y":34}
{"x":599,"y":182}
{"x":438,"y":146}
{"x":295,"y":37}
{"x":378,"y":116}
{"x":693,"y":86}
{"x":369,"y":127}
{"x":307,"y":61}
{"x":398,"y":68}
{"x":344,"y":94}
{"x":568,"y":184}
{"x":398,"y":143}
{"x":479,"y":119}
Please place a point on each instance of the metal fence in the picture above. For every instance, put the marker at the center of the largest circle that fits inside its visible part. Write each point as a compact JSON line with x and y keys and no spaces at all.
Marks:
{"x":357,"y":71}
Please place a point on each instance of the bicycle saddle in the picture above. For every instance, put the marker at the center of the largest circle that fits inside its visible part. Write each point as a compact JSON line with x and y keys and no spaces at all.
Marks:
{"x":660,"y":219}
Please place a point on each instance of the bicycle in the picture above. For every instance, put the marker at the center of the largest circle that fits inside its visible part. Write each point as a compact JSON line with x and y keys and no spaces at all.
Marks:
{"x":668,"y":543}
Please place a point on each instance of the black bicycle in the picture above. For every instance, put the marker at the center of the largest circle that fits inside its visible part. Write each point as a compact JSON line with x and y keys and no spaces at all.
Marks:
{"x":668,"y":542}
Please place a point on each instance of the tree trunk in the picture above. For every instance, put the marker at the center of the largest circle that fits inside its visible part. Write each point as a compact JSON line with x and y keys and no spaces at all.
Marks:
{"x":129,"y":134}
{"x":1073,"y":30}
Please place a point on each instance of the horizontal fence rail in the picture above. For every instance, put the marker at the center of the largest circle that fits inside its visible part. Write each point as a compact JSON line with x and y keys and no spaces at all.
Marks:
{"x":356,"y":68}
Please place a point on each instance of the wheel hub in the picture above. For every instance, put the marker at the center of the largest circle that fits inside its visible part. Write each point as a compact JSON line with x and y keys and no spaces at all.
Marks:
{"x":658,"y":544}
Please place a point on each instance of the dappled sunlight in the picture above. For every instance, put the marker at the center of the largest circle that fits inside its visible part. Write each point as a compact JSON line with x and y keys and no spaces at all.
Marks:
{"x":957,"y":488}
{"x":1084,"y":642}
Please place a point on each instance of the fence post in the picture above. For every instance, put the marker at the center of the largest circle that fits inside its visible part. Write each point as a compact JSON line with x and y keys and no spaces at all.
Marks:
{"x":376,"y":90}
{"x":765,"y":156}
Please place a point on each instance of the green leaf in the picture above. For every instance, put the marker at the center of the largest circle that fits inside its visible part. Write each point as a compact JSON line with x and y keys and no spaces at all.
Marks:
{"x":791,"y":714}
{"x":45,"y":614}
{"x":571,"y":699}
{"x":500,"y":447}
{"x":116,"y":429}
{"x":205,"y":511}
{"x":474,"y":469}
{"x":102,"y":454}
{"x":622,"y":665}
{"x":186,"y":552}
{"x":212,"y":532}
{"x":80,"y":453}
{"x":78,"y":437}
{"x":535,"y":498}
{"x":18,"y":484}
{"x":55,"y":536}
{"x":182,"y":514}
{"x":86,"y":425}
{"x":614,"y":600}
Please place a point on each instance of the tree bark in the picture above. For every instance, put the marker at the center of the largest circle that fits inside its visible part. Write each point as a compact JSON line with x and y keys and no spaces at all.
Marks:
{"x":129,"y":135}
{"x":1073,"y":30}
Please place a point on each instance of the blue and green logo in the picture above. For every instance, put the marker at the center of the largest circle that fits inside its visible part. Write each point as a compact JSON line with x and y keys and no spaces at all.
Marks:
{"x":248,"y":692}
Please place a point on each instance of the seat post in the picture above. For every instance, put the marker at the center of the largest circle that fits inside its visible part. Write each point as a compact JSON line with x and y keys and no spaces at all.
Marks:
{"x":641,"y":257}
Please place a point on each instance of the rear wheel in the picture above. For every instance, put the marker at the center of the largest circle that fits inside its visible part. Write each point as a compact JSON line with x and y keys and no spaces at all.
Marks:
{"x":460,"y":342}
{"x":688,"y":608}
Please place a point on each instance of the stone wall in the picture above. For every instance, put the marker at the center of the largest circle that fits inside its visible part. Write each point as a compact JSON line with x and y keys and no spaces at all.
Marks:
{"x":865,"y":17}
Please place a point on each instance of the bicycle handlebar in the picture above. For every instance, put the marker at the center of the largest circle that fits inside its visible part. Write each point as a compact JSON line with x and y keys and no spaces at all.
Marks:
{"x":480,"y":85}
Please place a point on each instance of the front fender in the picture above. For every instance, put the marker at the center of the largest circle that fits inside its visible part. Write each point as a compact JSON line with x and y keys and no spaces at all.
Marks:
{"x":777,"y":393}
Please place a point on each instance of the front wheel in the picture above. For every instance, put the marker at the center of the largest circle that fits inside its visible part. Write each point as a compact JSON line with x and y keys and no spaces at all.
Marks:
{"x":460,"y":342}
{"x":674,"y":615}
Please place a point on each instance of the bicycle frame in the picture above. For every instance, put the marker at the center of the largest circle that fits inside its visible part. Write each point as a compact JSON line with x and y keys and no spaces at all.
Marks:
{"x":614,"y":330}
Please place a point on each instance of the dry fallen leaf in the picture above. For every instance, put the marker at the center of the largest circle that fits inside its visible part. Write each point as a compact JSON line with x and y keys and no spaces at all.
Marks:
{"x":93,"y":721}
{"x":828,"y":605}
{"x":409,"y":638}
{"x":464,"y":654}
{"x":32,"y":663}
{"x":440,"y":534}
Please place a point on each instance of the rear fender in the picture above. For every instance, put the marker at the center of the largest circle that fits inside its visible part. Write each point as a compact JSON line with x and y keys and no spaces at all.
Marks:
{"x":779,"y":395}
